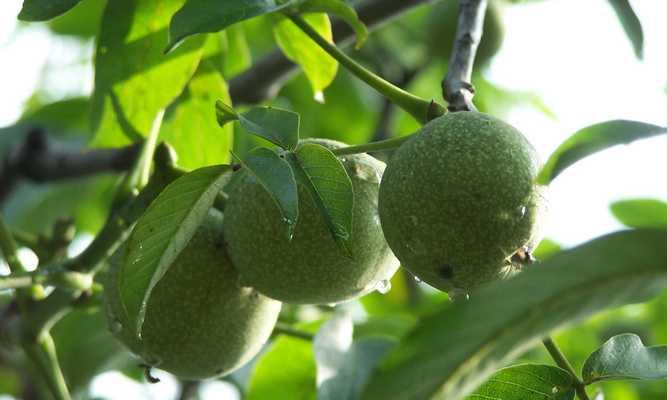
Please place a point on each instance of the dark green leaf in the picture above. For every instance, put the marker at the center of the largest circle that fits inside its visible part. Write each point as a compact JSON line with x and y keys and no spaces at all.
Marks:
{"x":631,"y":25}
{"x":640,"y":213}
{"x":162,"y":232}
{"x":237,"y":57}
{"x":454,"y":350}
{"x":592,"y":139}
{"x":274,"y":173}
{"x":190,"y":125}
{"x":527,"y":382}
{"x":81,"y":21}
{"x":42,"y":10}
{"x":278,"y":126}
{"x":343,"y":367}
{"x":285,"y":372}
{"x":625,"y":357}
{"x":318,"y":66}
{"x":205,"y":16}
{"x":133,"y":79}
{"x":326,"y":179}
{"x":341,"y":9}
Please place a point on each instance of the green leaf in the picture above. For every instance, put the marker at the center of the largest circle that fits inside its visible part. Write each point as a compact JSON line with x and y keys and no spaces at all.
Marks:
{"x":631,"y":25}
{"x":274,"y":173}
{"x":278,"y":126}
{"x":625,"y":357}
{"x":527,"y":382}
{"x":318,"y":65}
{"x":190,"y":126}
{"x":82,"y":21}
{"x":285,"y":372}
{"x":162,"y":232}
{"x":343,"y":367}
{"x":86,"y":347}
{"x":205,"y":16}
{"x":502,"y":320}
{"x":236,"y":52}
{"x":592,"y":139}
{"x":326,"y":179}
{"x":133,"y":79}
{"x":640,"y":213}
{"x":43,"y":10}
{"x":341,"y":9}
{"x":546,"y":249}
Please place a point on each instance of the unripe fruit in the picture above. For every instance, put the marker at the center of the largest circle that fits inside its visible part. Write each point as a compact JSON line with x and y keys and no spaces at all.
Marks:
{"x":199,"y":322}
{"x":441,"y":27}
{"x":458,"y":200}
{"x":309,"y":269}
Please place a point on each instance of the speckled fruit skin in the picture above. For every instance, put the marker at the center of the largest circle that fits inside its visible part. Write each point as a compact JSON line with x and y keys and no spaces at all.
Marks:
{"x":459,"y":198}
{"x":441,"y":27}
{"x":199,"y":322}
{"x":310,"y":269}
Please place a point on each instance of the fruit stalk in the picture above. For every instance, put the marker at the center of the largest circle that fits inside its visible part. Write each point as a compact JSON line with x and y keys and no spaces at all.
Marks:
{"x":457,"y":88}
{"x":422,"y":110}
{"x":562,"y":362}
{"x":42,"y":353}
{"x":284,"y":329}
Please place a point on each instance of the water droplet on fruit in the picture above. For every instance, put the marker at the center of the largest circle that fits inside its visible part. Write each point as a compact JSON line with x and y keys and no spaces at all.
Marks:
{"x":116,"y":326}
{"x":383,"y":286}
{"x":522,"y":211}
{"x":554,"y":390}
{"x":458,"y":295}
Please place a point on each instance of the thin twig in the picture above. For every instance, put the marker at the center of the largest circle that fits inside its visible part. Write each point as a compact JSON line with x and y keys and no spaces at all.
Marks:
{"x":284,"y":329}
{"x":38,"y":159}
{"x":457,"y":88}
{"x":562,"y":362}
{"x":264,"y":78}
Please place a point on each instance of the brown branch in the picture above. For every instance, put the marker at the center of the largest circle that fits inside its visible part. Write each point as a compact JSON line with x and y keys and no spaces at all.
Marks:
{"x":264,"y":79}
{"x":39,"y":160}
{"x":457,"y":88}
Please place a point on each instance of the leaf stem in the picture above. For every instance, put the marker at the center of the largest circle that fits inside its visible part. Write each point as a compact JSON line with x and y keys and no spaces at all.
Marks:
{"x":381,"y":145}
{"x":563,"y":362}
{"x":422,"y":110}
{"x":284,"y":329}
{"x":42,"y":353}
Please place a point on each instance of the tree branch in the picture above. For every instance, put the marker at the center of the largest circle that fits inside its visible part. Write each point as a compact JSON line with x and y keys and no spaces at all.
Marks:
{"x":263,"y":80}
{"x":457,"y":88}
{"x":37,"y":159}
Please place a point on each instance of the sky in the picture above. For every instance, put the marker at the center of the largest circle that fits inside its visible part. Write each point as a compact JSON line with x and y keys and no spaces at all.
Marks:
{"x":573,"y":53}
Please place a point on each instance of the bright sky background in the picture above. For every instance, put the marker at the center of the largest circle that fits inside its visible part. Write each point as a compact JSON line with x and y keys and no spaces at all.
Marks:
{"x":573,"y":53}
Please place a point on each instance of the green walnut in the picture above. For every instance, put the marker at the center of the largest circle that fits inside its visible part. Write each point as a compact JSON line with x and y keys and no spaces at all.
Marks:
{"x":309,"y":269}
{"x":199,"y":322}
{"x":458,"y":200}
{"x":441,"y":30}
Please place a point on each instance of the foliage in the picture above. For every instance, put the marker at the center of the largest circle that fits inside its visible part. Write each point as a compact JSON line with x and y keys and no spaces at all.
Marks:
{"x":169,"y":71}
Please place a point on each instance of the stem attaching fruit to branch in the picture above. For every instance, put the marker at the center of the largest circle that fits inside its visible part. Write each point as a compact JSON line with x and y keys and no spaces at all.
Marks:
{"x":422,"y":110}
{"x":284,"y":329}
{"x":457,"y":88}
{"x":563,"y":362}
